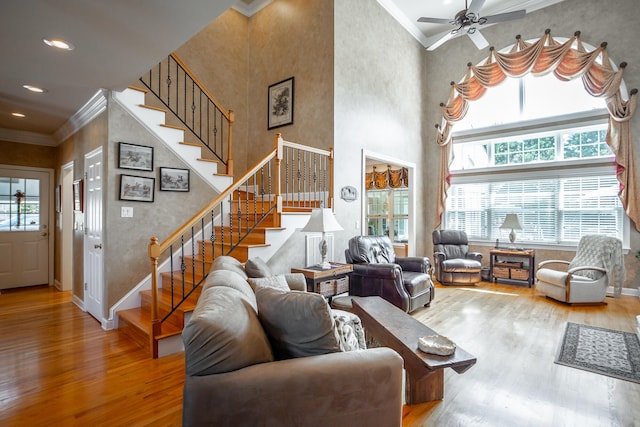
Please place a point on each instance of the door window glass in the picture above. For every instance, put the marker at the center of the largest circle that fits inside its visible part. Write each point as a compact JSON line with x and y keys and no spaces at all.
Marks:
{"x":19,"y":204}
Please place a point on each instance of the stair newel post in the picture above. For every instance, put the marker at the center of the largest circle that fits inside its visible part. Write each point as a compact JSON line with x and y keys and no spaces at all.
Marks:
{"x":156,"y":325}
{"x":232,"y":118}
{"x":330,"y":201}
{"x":278,"y":189}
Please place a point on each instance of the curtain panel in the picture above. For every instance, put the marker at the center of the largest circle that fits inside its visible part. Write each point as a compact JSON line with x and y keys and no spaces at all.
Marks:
{"x":566,"y":61}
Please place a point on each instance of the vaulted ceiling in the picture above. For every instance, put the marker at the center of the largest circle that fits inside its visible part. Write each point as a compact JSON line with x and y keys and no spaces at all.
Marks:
{"x":116,"y":41}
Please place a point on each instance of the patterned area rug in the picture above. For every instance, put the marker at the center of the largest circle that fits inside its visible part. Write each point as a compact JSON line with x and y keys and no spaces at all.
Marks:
{"x":600,"y":350}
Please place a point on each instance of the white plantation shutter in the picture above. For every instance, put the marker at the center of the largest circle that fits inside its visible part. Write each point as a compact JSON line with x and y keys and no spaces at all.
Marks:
{"x":551,"y":210}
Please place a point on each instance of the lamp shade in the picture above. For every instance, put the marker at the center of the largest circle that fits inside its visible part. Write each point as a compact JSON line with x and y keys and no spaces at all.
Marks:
{"x":511,"y":221}
{"x":322,"y":221}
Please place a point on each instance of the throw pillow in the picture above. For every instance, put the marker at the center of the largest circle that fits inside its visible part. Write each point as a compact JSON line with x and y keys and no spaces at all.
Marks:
{"x":278,"y":282}
{"x":224,"y":334}
{"x":298,"y":323}
{"x":229,"y":263}
{"x":233,"y":280}
{"x":256,"y":267}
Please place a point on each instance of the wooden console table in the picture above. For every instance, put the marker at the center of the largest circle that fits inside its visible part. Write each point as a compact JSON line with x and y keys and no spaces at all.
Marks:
{"x":503,"y":267}
{"x":392,"y":327}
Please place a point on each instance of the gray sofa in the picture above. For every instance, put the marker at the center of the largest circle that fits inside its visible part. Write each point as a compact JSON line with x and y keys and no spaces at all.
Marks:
{"x":264,"y":352}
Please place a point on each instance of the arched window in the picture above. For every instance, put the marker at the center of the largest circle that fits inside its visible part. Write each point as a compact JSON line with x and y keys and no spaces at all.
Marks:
{"x":533,"y":144}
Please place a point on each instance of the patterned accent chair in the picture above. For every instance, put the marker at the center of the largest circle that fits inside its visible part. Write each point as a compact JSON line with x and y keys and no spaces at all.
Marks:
{"x":598,"y":264}
{"x":455,"y":265}
{"x":403,"y":281}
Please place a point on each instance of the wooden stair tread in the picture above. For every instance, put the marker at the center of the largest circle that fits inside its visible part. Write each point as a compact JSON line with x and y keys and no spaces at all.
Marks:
{"x":141,"y":319}
{"x":139,"y":89}
{"x":151,"y":107}
{"x":202,"y":159}
{"x":173,"y":127}
{"x":193,"y":144}
{"x":165,"y":297}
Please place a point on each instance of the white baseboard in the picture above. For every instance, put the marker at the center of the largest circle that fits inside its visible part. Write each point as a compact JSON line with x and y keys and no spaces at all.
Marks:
{"x":625,"y":291}
{"x":77,"y":301}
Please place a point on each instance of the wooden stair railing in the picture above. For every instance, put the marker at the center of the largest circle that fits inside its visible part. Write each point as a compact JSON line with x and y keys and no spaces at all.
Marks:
{"x":180,"y":90}
{"x":290,"y":177}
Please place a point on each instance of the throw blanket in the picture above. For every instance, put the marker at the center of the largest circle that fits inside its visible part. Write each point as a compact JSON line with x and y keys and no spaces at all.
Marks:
{"x":604,"y":252}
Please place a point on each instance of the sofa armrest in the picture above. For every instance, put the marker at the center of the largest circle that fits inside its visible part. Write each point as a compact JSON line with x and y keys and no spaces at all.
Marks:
{"x":419,"y":264}
{"x":336,"y":389}
{"x":381,"y":271}
{"x":475,"y":256}
{"x":296,"y":281}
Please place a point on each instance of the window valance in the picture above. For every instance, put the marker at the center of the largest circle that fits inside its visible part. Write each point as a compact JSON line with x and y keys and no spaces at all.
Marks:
{"x":566,"y":61}
{"x":387,"y":179}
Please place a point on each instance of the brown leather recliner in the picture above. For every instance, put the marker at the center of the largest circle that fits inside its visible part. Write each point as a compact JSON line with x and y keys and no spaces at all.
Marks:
{"x":455,"y":265}
{"x":403,"y":281}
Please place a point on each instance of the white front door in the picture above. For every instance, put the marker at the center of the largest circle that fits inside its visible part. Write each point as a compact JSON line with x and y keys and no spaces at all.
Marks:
{"x":93,"y":251}
{"x":24,"y":227}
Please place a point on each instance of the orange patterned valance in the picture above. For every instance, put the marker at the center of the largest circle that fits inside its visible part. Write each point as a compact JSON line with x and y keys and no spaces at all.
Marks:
{"x":387,"y":179}
{"x":566,"y":61}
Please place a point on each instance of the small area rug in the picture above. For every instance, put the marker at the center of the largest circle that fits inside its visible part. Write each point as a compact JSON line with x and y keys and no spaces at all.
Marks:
{"x":600,"y":350}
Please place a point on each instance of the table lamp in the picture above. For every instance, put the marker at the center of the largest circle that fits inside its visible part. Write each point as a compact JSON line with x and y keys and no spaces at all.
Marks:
{"x":322,"y":221}
{"x":511,"y":221}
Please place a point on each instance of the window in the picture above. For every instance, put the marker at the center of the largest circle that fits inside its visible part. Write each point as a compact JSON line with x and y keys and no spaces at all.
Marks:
{"x":23,"y":213}
{"x":388,"y":213}
{"x":556,"y":172}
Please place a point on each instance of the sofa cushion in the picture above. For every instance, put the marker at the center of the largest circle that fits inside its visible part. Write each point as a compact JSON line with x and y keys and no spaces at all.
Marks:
{"x":256,"y":267}
{"x":298,"y":323}
{"x":225,"y":262}
{"x":233,"y":280}
{"x":224,"y":334}
{"x":278,"y":282}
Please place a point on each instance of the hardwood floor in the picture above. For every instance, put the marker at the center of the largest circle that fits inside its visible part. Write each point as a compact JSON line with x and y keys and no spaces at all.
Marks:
{"x":58,"y":367}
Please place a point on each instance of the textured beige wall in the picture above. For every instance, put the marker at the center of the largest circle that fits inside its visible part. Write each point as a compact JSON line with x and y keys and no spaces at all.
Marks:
{"x":292,"y":38}
{"x":36,"y":156}
{"x":380,"y":89}
{"x":597,"y":20}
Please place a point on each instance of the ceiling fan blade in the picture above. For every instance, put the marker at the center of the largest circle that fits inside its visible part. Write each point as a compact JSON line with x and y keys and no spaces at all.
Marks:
{"x":475,"y":7}
{"x":478,"y":39}
{"x":434,"y":20}
{"x":501,"y":17}
{"x":439,"y":40}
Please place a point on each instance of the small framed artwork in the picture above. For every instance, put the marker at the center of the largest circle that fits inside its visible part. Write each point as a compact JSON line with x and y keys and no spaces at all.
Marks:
{"x":173,"y":179}
{"x":58,"y":198}
{"x":281,"y":103}
{"x":78,"y":202}
{"x":131,"y":156}
{"x":137,"y":188}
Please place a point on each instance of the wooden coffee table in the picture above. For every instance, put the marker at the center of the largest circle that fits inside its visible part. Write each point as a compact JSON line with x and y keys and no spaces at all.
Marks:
{"x":393,"y":328}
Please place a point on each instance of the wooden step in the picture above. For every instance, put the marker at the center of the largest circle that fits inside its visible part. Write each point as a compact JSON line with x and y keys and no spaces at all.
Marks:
{"x":136,"y":324}
{"x":164,"y":305}
{"x":151,"y":107}
{"x":174,"y":127}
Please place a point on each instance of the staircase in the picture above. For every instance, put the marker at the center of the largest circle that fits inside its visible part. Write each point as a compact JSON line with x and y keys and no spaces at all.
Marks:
{"x":252,"y":216}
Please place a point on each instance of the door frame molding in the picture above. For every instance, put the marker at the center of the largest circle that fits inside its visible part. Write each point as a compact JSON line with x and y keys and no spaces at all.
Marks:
{"x":383,"y":158}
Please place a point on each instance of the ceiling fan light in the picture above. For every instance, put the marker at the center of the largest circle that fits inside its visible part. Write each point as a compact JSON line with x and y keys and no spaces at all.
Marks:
{"x":34,"y":89}
{"x":58,"y":44}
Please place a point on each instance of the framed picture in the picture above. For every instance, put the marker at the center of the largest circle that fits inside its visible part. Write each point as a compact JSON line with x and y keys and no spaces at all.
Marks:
{"x":78,"y":202}
{"x":173,"y":179}
{"x":281,"y":103}
{"x":137,"y":188}
{"x":58,"y":198}
{"x":132,"y":156}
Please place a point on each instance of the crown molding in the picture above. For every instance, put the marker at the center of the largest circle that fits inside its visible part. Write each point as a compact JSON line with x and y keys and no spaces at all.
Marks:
{"x":89,"y":111}
{"x":252,"y":8}
{"x":26,"y":137}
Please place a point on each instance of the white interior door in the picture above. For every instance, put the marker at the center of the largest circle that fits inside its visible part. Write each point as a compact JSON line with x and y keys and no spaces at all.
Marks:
{"x":24,"y":227}
{"x":93,"y":253}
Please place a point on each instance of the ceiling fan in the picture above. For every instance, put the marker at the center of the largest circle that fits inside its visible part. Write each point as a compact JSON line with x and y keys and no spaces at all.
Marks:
{"x":468,"y":20}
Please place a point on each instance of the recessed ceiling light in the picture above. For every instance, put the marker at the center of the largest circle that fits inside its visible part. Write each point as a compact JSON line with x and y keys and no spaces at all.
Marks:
{"x":59,"y":44}
{"x":16,"y":114}
{"x":35,"y":89}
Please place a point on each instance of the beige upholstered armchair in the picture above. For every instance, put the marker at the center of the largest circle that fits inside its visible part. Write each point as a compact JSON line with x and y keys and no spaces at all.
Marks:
{"x":598,"y":264}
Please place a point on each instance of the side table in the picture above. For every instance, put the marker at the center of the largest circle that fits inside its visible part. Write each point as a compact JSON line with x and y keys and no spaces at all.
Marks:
{"x":327,"y":282}
{"x":503,"y":266}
